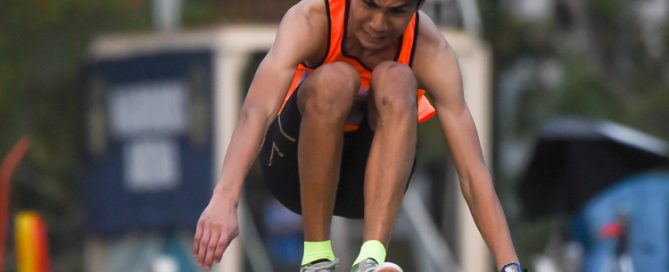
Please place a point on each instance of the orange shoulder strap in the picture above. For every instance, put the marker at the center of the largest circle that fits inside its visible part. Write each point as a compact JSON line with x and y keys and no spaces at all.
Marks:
{"x":409,"y":41}
{"x":336,"y":15}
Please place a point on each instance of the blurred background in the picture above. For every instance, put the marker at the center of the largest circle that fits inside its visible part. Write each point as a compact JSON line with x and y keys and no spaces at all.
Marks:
{"x":115,"y":115}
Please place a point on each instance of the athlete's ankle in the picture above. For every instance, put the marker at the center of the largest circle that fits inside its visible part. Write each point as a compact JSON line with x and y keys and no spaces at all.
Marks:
{"x":317,"y":251}
{"x":371,"y":249}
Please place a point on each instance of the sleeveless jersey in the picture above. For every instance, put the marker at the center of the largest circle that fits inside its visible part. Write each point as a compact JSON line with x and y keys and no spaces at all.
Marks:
{"x":337,"y":11}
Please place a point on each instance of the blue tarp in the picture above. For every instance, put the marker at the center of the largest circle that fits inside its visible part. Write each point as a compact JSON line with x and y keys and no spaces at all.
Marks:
{"x":641,"y":203}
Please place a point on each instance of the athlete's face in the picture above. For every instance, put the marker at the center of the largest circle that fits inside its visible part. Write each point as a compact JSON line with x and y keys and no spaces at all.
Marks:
{"x":377,"y":23}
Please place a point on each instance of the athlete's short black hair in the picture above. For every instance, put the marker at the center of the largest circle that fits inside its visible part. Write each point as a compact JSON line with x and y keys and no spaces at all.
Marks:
{"x":420,"y":3}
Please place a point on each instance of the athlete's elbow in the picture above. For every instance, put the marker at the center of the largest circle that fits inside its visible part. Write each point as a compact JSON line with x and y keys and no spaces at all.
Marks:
{"x":477,"y":187}
{"x":251,"y":113}
{"x":466,"y":187}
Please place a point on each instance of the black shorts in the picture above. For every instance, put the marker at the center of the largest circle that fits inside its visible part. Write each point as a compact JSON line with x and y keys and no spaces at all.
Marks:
{"x":278,"y":159}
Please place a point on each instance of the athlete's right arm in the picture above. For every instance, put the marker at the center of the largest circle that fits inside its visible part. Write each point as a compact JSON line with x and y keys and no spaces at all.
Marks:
{"x":300,"y":37}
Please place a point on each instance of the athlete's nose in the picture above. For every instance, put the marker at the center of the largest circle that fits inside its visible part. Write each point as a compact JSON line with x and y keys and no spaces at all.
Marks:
{"x":378,"y":23}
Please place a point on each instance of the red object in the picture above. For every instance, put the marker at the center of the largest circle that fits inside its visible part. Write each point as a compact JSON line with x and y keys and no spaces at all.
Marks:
{"x":42,"y":245}
{"x":6,"y":169}
{"x":612,"y":230}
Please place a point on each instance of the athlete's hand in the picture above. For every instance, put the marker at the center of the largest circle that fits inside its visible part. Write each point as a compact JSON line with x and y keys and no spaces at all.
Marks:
{"x":215,"y":230}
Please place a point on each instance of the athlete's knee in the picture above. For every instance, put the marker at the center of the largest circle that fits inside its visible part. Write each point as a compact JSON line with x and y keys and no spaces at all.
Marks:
{"x":338,"y":75}
{"x":390,"y":73}
{"x":394,"y":86}
{"x":330,"y":90}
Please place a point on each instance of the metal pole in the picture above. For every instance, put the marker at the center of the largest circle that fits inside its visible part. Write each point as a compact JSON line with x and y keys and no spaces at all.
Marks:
{"x":167,"y":15}
{"x":435,"y":247}
{"x":470,"y":16}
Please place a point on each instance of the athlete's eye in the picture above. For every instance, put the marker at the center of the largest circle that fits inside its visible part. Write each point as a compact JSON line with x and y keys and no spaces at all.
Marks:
{"x":398,"y":10}
{"x":370,"y":4}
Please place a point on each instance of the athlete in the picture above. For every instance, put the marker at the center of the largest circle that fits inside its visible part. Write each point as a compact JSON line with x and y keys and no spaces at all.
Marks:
{"x":333,"y":111}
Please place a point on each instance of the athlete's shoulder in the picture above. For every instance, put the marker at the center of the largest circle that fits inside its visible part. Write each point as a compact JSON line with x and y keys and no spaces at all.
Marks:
{"x":303,"y":31}
{"x":434,"y":57}
{"x":431,"y":42}
{"x":308,"y":16}
{"x":429,"y":36}
{"x":309,"y":9}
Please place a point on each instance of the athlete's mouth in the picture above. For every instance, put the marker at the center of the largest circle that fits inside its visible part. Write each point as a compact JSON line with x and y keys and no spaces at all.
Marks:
{"x":375,"y":37}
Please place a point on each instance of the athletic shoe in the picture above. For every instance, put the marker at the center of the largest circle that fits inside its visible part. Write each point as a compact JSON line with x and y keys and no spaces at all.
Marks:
{"x":370,"y":265}
{"x":320,"y":266}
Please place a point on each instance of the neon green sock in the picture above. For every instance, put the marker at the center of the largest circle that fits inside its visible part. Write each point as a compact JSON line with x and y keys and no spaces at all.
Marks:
{"x":314,"y":251}
{"x":373,"y":249}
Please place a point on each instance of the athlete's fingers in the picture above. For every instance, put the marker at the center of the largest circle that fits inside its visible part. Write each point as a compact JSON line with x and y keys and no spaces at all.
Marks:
{"x":211,"y":247}
{"x":197,"y":237}
{"x":206,"y":234}
{"x":222,"y":244}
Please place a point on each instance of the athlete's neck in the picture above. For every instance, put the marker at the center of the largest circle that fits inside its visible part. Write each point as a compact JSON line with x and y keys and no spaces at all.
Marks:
{"x":369,"y":56}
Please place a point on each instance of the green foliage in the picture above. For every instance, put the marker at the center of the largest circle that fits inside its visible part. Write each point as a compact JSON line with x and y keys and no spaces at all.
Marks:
{"x":608,"y":11}
{"x":652,"y":111}
{"x":199,"y":12}
{"x":583,"y":93}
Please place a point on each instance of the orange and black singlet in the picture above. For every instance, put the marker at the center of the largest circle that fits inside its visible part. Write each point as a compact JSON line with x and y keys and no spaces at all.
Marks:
{"x":337,"y":11}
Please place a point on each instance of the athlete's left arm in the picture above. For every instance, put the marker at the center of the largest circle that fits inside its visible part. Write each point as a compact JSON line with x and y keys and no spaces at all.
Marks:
{"x":436,"y":69}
